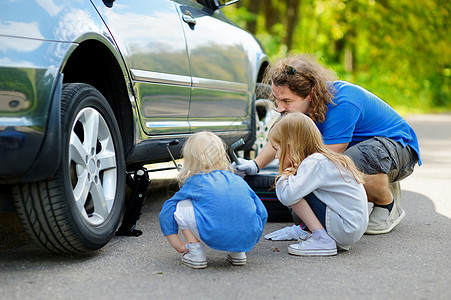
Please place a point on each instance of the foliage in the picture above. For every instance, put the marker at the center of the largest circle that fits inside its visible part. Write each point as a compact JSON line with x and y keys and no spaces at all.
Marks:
{"x":398,"y":49}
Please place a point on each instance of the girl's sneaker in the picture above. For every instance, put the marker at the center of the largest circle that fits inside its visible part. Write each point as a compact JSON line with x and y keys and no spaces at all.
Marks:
{"x":237,"y":258}
{"x":196,"y":257}
{"x":319,"y":244}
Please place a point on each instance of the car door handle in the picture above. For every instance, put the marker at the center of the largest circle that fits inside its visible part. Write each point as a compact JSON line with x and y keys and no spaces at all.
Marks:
{"x":188,"y":18}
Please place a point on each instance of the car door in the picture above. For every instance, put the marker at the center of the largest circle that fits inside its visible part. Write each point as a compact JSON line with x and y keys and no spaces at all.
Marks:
{"x":219,"y":95}
{"x":151,"y":38}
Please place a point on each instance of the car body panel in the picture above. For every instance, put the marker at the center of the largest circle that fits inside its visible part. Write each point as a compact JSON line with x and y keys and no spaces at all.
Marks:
{"x":24,"y":83}
{"x":153,"y":46}
{"x":220,"y":90}
{"x":177,"y":78}
{"x":34,"y":46}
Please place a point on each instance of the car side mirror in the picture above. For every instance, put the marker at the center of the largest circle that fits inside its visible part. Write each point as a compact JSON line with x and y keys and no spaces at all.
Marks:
{"x":216,"y":4}
{"x":108,"y":3}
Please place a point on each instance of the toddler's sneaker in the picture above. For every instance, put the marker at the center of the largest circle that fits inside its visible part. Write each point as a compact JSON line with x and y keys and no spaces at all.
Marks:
{"x":196,"y":257}
{"x":237,"y":258}
{"x":319,"y":244}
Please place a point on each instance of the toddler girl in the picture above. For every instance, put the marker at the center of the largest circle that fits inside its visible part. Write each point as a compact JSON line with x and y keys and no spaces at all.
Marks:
{"x":214,"y":207}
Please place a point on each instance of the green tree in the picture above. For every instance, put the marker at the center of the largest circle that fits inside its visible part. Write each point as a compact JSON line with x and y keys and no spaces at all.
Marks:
{"x":401,"y":50}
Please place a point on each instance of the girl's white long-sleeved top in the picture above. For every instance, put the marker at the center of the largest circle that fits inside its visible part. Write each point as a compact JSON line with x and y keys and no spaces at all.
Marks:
{"x":345,"y":198}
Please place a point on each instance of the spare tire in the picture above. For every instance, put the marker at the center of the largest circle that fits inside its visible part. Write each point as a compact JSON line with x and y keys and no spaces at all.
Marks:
{"x":263,"y":185}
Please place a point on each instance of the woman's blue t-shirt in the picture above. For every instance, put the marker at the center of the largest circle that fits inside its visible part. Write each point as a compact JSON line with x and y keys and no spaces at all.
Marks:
{"x":357,"y":115}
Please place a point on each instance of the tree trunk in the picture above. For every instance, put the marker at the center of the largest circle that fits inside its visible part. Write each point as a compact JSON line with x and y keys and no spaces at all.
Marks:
{"x":292,"y":13}
{"x":254,"y":8}
{"x":272,"y":15}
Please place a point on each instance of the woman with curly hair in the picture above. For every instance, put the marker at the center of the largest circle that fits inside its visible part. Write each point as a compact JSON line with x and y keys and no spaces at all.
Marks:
{"x":353,"y":121}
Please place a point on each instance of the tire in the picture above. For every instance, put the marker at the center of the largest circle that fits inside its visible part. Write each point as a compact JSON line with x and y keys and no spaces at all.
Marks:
{"x":263,"y":183}
{"x":263,"y":186}
{"x":79,"y":207}
{"x":266,"y":116}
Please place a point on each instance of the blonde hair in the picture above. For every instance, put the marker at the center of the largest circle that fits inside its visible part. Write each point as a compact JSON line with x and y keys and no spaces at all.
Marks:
{"x":203,"y":152}
{"x":304,"y":76}
{"x":298,"y":137}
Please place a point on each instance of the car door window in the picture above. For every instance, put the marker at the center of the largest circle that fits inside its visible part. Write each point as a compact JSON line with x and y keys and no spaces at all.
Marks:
{"x":219,"y":96}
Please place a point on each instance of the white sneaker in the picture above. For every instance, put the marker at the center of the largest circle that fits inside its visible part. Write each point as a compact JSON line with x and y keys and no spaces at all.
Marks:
{"x":319,"y":244}
{"x":237,"y":258}
{"x":382,"y":221}
{"x":196,"y":257}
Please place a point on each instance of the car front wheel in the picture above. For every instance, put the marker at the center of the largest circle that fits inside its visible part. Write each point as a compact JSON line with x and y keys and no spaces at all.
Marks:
{"x":79,"y":207}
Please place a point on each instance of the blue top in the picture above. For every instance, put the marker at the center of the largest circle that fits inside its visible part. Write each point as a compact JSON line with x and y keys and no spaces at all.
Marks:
{"x":229,"y":215}
{"x":357,"y":115}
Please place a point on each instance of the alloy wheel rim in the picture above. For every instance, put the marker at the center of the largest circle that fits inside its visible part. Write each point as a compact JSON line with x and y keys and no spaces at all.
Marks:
{"x":93,"y":167}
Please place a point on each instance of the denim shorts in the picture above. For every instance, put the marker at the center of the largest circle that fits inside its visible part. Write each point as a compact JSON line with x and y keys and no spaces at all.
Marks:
{"x":383,"y":155}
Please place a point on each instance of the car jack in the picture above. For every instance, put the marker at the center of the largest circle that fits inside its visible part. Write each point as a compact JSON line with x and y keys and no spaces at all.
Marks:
{"x":140,"y":185}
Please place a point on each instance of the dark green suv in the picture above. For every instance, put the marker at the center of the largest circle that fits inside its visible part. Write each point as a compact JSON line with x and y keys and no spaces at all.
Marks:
{"x":91,"y":90}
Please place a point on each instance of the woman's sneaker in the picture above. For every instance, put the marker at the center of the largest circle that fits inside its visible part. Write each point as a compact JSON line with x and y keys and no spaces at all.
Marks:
{"x":319,"y":244}
{"x":237,"y":258}
{"x":196,"y":257}
{"x":382,"y":221}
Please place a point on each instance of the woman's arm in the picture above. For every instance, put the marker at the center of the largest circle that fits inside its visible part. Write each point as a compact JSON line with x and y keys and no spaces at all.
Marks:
{"x":266,"y":155}
{"x":339,"y":148}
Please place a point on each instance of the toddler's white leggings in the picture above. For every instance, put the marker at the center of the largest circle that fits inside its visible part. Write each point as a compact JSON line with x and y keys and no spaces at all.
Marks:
{"x":185,"y":218}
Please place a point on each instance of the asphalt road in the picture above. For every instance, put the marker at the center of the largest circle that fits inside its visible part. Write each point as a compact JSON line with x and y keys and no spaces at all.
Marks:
{"x":412,"y":262}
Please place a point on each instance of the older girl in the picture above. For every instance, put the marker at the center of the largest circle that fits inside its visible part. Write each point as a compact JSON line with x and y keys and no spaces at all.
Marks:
{"x":324,"y":188}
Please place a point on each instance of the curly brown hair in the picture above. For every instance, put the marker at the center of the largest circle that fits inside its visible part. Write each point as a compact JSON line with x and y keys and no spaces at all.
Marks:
{"x":304,"y":75}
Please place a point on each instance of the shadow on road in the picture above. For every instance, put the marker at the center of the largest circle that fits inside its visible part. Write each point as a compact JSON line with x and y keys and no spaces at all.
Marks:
{"x":420,"y":224}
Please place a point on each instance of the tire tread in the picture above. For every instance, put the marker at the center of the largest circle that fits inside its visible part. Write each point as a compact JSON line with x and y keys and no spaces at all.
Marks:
{"x":42,"y":206}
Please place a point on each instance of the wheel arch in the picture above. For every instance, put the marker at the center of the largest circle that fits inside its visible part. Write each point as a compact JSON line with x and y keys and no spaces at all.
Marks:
{"x":259,"y":75}
{"x":262,"y":71}
{"x":94,"y":63}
